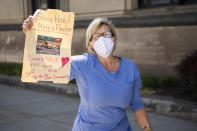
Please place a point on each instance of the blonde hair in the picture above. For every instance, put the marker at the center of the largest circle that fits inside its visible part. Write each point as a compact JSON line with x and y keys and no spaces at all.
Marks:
{"x":94,"y":26}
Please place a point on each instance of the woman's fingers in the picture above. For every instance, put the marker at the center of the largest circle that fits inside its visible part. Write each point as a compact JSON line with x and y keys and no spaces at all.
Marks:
{"x":24,"y":28}
{"x":27,"y":24}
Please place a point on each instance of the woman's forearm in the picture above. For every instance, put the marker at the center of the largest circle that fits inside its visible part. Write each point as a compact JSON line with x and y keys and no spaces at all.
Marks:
{"x":143,"y":120}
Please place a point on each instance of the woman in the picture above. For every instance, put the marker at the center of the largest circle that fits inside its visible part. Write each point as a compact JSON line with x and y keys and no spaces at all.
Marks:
{"x":107,"y":84}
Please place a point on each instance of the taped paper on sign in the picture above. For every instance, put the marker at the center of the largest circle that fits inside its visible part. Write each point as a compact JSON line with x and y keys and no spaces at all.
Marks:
{"x":47,"y":49}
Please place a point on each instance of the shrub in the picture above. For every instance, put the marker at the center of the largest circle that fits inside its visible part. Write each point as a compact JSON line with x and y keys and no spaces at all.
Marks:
{"x":149,"y":81}
{"x":168,"y":82}
{"x":10,"y":69}
{"x":72,"y":81}
{"x":187,"y":69}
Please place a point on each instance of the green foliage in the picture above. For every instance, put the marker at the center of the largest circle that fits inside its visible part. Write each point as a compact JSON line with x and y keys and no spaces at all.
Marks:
{"x":187,"y":69}
{"x":149,"y":81}
{"x":13,"y":69}
{"x":153,"y":82}
{"x":168,"y":82}
{"x":167,"y":85}
{"x":72,"y":81}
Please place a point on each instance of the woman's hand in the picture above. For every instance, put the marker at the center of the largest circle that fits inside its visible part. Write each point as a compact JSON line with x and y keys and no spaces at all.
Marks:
{"x":27,"y":24}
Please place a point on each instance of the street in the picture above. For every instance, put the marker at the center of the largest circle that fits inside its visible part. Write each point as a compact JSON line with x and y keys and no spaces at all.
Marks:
{"x":27,"y":110}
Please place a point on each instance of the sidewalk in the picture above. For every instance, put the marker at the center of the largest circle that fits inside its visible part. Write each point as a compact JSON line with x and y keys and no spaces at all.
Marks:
{"x":28,"y":110}
{"x":174,"y":108}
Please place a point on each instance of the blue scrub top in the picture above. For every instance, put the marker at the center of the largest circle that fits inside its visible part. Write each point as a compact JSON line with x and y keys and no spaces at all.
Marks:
{"x":105,"y":95}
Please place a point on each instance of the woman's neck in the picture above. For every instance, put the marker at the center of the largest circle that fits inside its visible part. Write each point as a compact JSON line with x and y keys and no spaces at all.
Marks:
{"x":111,"y":63}
{"x":110,"y":60}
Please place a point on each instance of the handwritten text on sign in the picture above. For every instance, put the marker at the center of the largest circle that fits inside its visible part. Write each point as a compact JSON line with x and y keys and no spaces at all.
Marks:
{"x":47,"y":23}
{"x":38,"y":62}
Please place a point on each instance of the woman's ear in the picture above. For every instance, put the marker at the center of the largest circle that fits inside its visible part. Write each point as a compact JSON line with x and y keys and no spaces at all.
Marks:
{"x":91,"y":45}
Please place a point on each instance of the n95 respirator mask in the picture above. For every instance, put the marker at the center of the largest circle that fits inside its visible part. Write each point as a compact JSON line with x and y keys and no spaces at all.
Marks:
{"x":104,"y":46}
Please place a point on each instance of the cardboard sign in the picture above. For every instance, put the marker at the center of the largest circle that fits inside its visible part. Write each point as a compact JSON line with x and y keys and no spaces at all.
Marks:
{"x":47,"y":49}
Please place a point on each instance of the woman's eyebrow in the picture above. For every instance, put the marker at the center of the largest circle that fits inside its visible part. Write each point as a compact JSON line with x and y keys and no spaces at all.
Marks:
{"x":102,"y":32}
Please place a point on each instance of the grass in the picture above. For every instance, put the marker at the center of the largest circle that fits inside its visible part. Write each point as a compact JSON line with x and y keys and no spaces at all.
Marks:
{"x":168,"y":82}
{"x":149,"y":81}
{"x":151,"y":85}
{"x":11,"y":69}
{"x":15,"y":69}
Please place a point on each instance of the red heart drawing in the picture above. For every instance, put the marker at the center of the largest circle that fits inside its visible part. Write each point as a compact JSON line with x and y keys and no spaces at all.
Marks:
{"x":64,"y":61}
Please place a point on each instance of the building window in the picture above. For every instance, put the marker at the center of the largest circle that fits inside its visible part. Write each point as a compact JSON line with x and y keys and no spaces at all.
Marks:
{"x":162,"y":3}
{"x":44,"y":4}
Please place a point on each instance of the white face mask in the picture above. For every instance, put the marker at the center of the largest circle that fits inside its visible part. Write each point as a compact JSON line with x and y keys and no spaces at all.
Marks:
{"x":104,"y":46}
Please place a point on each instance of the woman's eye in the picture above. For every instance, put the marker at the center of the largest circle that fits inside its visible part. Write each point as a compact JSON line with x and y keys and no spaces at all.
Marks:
{"x":106,"y":34}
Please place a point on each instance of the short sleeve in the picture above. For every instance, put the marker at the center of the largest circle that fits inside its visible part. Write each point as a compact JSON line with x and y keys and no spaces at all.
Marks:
{"x":73,"y":70}
{"x":136,"y":102}
{"x":78,"y":65}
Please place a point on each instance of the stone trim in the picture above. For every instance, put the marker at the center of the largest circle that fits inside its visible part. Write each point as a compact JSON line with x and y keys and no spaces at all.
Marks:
{"x":9,"y":27}
{"x":179,"y":19}
{"x":148,"y":20}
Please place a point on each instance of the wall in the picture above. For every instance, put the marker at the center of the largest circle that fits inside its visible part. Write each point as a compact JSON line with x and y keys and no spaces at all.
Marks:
{"x":12,"y":46}
{"x":12,"y":11}
{"x":155,"y":49}
{"x":92,"y":8}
